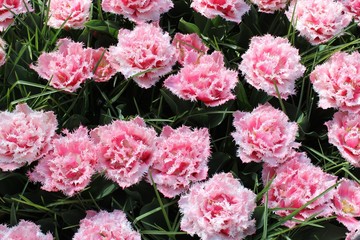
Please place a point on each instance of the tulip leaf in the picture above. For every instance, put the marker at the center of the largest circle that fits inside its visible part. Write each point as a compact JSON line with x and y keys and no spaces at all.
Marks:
{"x":188,"y":27}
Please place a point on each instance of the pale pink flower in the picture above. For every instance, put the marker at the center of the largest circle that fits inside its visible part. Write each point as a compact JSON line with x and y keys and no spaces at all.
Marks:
{"x":180,"y":159}
{"x":69,"y":167}
{"x":101,"y":66}
{"x":25,"y":136}
{"x":68,"y":13}
{"x":344,"y":133}
{"x":269,"y":171}
{"x":25,"y":230}
{"x":347,"y":203}
{"x":353,"y":7}
{"x":205,"y":80}
{"x":269,"y":61}
{"x":138,"y":11}
{"x":3,"y":230}
{"x":106,"y":225}
{"x":318,"y":20}
{"x":126,"y":150}
{"x":10,"y":8}
{"x":265,"y":134}
{"x":3,"y":46}
{"x":143,"y":54}
{"x":66,"y":68}
{"x":296,"y":183}
{"x":219,"y":208}
{"x":231,"y":10}
{"x":354,"y":234}
{"x":337,"y":81}
{"x":189,"y":47}
{"x":270,"y":6}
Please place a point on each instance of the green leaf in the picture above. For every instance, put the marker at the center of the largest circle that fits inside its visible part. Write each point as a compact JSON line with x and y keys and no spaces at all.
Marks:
{"x":187,"y":27}
{"x":217,"y":162}
{"x":259,"y":216}
{"x":210,"y":117}
{"x":242,"y":97}
{"x":73,"y":216}
{"x":151,"y":214}
{"x":328,"y":232}
{"x":155,"y":232}
{"x":177,"y":105}
{"x":103,"y":26}
{"x":75,"y":120}
{"x":258,"y":97}
{"x":169,"y":100}
{"x":216,"y":119}
{"x":101,"y":187}
{"x":13,"y":218}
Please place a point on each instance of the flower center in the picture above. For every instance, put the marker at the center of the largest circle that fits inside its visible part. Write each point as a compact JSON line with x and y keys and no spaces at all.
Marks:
{"x":347,"y":207}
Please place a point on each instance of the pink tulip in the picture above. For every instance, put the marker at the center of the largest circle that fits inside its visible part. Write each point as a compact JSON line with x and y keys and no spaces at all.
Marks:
{"x":25,"y":136}
{"x":180,"y":159}
{"x":126,"y":150}
{"x":271,"y":61}
{"x":219,"y":208}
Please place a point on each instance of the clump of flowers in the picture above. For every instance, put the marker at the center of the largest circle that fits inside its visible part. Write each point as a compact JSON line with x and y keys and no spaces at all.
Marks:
{"x":265,"y":134}
{"x":67,"y":68}
{"x":270,"y":63}
{"x":25,"y":230}
{"x":296,"y":183}
{"x":270,"y":6}
{"x":25,"y":136}
{"x":69,"y":167}
{"x":347,"y":203}
{"x":100,"y":65}
{"x":189,"y":48}
{"x":219,"y":208}
{"x":344,"y":133}
{"x":353,"y":7}
{"x":318,"y":20}
{"x":10,"y":8}
{"x":231,"y":10}
{"x":337,"y":82}
{"x":143,"y":54}
{"x":126,"y":150}
{"x":106,"y":225}
{"x":205,"y":80}
{"x":68,"y":13}
{"x":180,"y":159}
{"x":3,"y":46}
{"x":137,"y":10}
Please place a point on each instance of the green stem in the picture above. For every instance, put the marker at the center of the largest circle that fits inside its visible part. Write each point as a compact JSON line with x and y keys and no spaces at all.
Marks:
{"x":161,"y":205}
{"x":279,"y":97}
